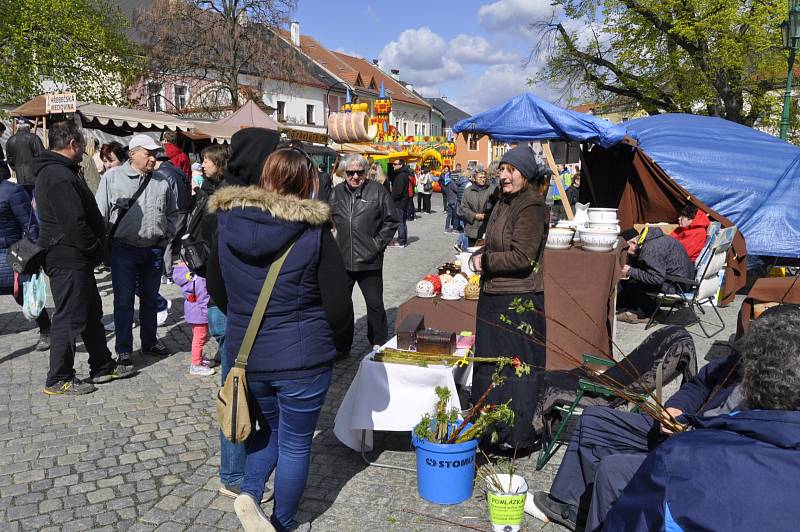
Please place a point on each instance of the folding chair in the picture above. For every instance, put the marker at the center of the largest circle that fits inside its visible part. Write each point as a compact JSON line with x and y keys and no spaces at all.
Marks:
{"x":693,"y":293}
{"x":659,"y":359}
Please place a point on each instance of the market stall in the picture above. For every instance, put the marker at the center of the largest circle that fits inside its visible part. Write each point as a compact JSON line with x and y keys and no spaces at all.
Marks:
{"x":114,"y":120}
{"x":579,"y":305}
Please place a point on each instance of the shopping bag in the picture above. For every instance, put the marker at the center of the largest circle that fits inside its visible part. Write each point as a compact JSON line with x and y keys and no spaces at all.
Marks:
{"x":34,"y":295}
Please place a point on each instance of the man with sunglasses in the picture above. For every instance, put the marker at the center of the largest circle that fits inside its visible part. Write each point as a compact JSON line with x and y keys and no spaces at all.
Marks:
{"x":364,"y":215}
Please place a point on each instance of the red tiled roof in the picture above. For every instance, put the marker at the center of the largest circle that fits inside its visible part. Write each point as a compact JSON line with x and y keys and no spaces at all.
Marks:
{"x":372,"y":74}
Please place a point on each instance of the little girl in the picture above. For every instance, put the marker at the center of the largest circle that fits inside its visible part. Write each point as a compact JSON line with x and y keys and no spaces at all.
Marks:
{"x":195,"y":312}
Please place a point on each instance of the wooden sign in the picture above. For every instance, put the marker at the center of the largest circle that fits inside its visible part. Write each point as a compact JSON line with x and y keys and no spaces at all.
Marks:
{"x":306,"y":136}
{"x":65,"y":102}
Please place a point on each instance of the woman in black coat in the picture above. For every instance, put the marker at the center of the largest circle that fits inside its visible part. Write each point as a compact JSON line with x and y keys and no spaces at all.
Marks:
{"x":16,"y":219}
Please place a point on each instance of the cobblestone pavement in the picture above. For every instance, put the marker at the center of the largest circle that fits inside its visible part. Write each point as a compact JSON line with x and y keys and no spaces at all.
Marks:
{"x":141,"y":454}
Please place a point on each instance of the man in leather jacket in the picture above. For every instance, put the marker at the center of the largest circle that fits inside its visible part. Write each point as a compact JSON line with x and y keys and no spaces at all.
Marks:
{"x":21,"y":149}
{"x":364,"y":215}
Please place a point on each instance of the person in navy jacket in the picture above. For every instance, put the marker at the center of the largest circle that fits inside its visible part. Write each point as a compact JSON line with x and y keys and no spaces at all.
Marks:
{"x":735,"y":471}
{"x":308,"y":319}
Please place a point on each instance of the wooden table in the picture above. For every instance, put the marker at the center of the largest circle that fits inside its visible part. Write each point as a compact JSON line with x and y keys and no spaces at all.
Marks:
{"x":767,"y":290}
{"x":579,"y":288}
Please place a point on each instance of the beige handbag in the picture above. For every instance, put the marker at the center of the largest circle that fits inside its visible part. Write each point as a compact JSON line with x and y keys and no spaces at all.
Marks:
{"x":233,"y":408}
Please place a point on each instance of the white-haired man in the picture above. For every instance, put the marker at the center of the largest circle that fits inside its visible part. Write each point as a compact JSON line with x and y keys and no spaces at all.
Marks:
{"x":365,"y":223}
{"x":141,"y":210}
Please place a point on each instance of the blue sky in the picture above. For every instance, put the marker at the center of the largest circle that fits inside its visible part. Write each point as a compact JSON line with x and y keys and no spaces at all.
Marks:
{"x":474,"y":52}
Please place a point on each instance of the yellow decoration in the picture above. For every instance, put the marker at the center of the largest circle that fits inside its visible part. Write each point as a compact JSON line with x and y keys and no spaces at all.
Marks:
{"x":475,"y":279}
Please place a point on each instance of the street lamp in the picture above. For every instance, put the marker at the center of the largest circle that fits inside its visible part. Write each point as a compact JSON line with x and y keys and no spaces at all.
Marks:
{"x":790,"y":31}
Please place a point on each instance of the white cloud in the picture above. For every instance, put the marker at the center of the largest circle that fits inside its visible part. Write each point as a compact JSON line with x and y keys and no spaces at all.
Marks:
{"x":498,"y":84}
{"x":515,"y":15}
{"x":477,"y":50}
{"x":420,"y":54}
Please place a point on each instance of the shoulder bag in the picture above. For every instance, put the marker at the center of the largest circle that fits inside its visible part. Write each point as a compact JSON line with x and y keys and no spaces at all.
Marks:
{"x":25,"y":256}
{"x":233,"y":408}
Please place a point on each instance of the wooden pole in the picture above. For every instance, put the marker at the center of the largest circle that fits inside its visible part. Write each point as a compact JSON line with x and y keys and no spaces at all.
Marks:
{"x":44,"y":133}
{"x":585,"y":172}
{"x":559,"y":185}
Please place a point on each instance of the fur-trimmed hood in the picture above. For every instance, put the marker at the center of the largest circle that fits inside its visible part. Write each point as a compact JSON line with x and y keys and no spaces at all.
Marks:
{"x":283,"y":207}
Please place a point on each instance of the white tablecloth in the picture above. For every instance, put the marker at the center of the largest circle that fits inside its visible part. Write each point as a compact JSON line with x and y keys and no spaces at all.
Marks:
{"x":386,"y":396}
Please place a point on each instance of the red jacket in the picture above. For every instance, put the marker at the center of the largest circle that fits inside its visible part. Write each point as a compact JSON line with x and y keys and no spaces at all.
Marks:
{"x":178,"y":158}
{"x":693,"y":238}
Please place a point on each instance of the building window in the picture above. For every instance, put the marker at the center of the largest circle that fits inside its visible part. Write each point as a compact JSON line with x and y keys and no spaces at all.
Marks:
{"x":155,"y":97}
{"x":310,"y":114}
{"x":416,"y":130}
{"x":473,"y":142}
{"x":405,"y":129}
{"x":472,"y":163}
{"x":181,"y":99}
{"x":423,"y":130}
{"x":281,"y":109}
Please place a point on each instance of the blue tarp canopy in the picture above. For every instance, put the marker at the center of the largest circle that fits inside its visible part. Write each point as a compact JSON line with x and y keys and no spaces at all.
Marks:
{"x":750,"y":177}
{"x":528,"y":118}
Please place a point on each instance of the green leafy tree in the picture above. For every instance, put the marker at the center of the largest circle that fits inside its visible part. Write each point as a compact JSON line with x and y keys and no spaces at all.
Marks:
{"x":76,"y":45}
{"x":717,"y":57}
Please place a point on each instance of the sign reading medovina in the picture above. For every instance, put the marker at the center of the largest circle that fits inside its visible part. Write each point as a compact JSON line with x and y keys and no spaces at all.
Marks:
{"x":65,"y":102}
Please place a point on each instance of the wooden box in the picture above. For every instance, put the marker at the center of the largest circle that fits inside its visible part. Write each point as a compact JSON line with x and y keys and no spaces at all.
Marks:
{"x":407,"y":331}
{"x":439,"y":342}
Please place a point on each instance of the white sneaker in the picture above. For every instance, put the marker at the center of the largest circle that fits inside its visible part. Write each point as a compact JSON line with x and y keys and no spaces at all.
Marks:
{"x":162,"y":316}
{"x":203,"y":371}
{"x":250,"y":515}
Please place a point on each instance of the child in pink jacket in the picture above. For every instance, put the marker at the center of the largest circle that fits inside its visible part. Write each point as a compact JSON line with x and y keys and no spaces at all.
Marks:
{"x":195,"y":312}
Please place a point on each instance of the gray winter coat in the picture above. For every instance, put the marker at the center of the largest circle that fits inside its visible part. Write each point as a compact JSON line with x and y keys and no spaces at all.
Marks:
{"x":474,"y":202}
{"x":154,"y":216}
{"x":659,"y":256}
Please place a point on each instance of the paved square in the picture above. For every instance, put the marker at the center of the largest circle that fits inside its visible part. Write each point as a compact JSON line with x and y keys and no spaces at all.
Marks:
{"x":141,"y":454}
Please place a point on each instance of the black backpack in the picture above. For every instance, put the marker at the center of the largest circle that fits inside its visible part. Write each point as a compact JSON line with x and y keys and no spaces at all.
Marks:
{"x":195,"y":249}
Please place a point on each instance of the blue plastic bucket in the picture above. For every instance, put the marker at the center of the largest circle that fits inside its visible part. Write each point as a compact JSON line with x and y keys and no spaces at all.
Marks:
{"x":445,"y":473}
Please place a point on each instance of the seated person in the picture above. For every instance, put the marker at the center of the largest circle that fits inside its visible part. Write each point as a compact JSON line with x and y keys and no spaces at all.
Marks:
{"x":651,"y":257}
{"x":738,"y":471}
{"x":608,"y":446}
{"x":692,"y":231}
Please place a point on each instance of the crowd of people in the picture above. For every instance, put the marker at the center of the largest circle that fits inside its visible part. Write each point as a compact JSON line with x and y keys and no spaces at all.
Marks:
{"x":215,"y":228}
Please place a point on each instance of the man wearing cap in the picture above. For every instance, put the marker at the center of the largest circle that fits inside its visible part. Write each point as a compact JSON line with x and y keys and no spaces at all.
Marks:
{"x":21,"y":148}
{"x":140,"y":231}
{"x":652,"y":257}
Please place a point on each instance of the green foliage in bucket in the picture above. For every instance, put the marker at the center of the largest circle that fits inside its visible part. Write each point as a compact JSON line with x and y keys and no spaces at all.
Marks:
{"x":435,"y":427}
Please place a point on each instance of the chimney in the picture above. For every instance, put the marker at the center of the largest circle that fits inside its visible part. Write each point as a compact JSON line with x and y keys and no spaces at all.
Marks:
{"x":396,"y":74}
{"x":294,"y":31}
{"x":375,"y":62}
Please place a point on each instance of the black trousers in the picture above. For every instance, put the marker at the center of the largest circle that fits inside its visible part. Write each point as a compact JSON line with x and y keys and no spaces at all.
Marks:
{"x":77,"y":313}
{"x":371,"y":284}
{"x":633,"y":296}
{"x":606,"y":449}
{"x":426,"y":202}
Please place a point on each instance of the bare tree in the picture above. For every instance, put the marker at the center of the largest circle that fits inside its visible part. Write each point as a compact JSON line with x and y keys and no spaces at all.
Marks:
{"x":222,"y":48}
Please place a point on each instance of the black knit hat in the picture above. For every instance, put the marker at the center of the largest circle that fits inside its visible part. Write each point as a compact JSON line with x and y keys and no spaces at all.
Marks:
{"x":523,"y":159}
{"x":629,"y":233}
{"x":250,"y":148}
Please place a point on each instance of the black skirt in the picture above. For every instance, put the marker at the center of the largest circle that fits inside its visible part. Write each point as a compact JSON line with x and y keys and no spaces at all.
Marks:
{"x":495,"y":337}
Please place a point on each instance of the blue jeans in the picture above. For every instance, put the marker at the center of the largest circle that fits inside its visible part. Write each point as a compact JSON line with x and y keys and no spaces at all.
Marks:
{"x":451,"y":221}
{"x":131,"y":266}
{"x":402,"y":229}
{"x":287,"y":412}
{"x":232,"y":455}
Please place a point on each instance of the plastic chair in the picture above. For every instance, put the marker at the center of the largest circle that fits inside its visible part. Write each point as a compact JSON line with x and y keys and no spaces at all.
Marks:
{"x":693,"y":293}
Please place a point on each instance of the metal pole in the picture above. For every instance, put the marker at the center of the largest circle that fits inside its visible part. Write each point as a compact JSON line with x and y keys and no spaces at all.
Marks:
{"x":787,"y":97}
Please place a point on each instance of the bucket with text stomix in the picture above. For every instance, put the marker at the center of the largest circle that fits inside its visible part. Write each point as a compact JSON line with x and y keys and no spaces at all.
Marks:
{"x":506,"y":509}
{"x":445,"y":472}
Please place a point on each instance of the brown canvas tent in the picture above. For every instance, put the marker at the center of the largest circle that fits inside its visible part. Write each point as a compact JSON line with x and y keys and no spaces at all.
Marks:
{"x":248,"y":115}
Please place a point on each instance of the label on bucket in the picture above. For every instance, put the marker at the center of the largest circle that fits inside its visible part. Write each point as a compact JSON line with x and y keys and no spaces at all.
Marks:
{"x":506,"y":509}
{"x":448,"y":464}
